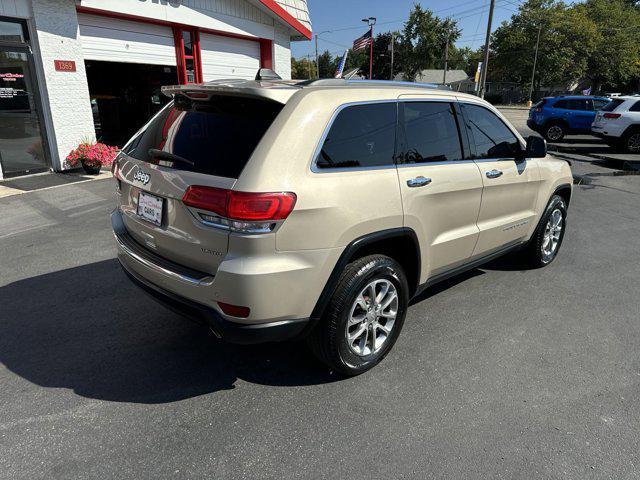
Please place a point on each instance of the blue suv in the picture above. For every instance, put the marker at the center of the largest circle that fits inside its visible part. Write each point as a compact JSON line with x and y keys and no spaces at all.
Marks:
{"x":555,"y":117}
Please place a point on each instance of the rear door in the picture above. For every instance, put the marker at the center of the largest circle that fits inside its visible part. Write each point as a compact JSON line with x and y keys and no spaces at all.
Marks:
{"x":441,"y":190}
{"x":190,"y":142}
{"x":577,"y":113}
{"x":510,"y":184}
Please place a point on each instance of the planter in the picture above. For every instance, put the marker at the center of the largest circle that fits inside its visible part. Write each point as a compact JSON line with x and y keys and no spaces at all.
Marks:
{"x":90,"y":169}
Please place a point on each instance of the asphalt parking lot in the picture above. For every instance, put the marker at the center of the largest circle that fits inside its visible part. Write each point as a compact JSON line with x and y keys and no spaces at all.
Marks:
{"x":499,"y":373}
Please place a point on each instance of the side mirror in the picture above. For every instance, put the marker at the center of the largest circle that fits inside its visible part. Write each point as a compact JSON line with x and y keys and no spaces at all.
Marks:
{"x":536,"y":147}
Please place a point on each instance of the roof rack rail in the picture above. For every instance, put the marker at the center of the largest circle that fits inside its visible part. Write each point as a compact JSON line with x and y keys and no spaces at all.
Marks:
{"x":341,"y":82}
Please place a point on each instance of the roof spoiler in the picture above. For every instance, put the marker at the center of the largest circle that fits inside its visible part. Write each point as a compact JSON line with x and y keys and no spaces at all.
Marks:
{"x":267,"y":74}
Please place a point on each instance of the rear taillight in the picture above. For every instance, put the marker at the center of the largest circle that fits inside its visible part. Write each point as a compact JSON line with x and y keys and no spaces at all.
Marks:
{"x":611,"y":115}
{"x":538,"y":110}
{"x":243,"y":211}
{"x":115,"y":170}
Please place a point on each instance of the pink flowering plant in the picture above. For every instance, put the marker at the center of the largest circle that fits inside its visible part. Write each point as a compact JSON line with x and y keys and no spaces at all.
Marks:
{"x":93,"y":155}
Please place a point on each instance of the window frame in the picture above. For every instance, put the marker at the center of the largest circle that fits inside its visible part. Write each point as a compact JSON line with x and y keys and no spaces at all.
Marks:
{"x":327,"y":129}
{"x":472,"y":143}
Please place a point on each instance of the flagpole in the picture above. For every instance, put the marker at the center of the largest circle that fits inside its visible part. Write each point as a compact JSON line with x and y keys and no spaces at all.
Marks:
{"x":371,"y":55}
{"x":371,"y":21}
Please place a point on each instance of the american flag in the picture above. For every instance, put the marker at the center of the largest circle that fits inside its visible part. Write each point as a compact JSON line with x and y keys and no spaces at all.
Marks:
{"x":362,"y":42}
{"x":340,"y":68}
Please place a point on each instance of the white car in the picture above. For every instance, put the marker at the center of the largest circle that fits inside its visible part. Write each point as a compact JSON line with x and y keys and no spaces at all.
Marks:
{"x":618,"y":123}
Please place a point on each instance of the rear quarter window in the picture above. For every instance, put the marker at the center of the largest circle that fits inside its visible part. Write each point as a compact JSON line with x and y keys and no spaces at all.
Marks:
{"x":360,"y":136}
{"x":215,"y":136}
{"x":612,"y":105}
{"x":635,"y":107}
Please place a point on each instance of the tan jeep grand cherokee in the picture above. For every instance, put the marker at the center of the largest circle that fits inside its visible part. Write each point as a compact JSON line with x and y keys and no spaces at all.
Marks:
{"x":276,"y":210}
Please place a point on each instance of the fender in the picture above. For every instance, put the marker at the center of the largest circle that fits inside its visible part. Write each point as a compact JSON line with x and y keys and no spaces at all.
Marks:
{"x":349,"y":252}
{"x":563,"y":186}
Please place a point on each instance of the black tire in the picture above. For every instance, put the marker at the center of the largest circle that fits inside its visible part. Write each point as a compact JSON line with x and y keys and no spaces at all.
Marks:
{"x":328,"y":340}
{"x":631,"y":141}
{"x":534,"y":254}
{"x":554,"y":131}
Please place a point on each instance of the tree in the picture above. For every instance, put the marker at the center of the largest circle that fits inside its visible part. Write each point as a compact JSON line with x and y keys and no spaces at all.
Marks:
{"x":567,"y":40}
{"x":327,"y":64}
{"x":615,"y":60}
{"x":382,"y":57}
{"x":302,"y":69}
{"x":464,"y":59}
{"x":424,"y":38}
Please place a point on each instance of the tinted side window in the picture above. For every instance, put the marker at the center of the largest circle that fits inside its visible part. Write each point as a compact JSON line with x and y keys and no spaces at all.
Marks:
{"x":360,"y":136}
{"x":635,"y":107}
{"x":572,"y":104}
{"x":598,"y":104}
{"x":492,"y":138}
{"x":431,"y":133}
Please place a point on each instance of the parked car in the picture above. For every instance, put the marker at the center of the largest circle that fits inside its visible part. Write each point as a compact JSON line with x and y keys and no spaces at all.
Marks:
{"x":279,"y":210}
{"x":618,"y":123}
{"x":555,"y":117}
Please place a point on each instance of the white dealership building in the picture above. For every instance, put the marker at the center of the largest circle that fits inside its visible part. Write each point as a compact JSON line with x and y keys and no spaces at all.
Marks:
{"x":72,"y":70}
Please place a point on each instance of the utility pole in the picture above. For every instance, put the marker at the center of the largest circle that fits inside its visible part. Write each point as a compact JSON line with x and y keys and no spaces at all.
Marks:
{"x":485,"y":62}
{"x":535,"y":61}
{"x":393,"y":41}
{"x":446,"y":60}
{"x":371,"y":21}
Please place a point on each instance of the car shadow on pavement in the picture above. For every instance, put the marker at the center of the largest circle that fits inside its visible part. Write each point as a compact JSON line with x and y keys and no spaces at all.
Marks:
{"x":90,"y":330}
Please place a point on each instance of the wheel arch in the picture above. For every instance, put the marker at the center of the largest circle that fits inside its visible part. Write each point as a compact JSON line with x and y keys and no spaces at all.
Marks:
{"x":401,"y":244}
{"x":631,"y":128}
{"x":564,"y":191}
{"x":555,"y":121}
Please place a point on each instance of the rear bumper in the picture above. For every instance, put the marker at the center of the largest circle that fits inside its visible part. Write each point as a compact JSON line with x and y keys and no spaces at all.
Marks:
{"x":606,"y":138}
{"x":532,"y":125}
{"x":231,"y":332}
{"x":148,"y":271}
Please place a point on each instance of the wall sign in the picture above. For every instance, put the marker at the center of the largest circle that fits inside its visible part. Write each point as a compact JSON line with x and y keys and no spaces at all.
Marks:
{"x":65,"y":65}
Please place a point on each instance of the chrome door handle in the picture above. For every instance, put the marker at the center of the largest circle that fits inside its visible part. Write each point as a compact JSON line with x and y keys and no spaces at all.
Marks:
{"x":495,"y":173}
{"x":418,"y":182}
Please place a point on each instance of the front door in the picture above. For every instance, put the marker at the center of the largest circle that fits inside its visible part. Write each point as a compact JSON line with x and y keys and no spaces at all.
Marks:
{"x":441,"y":190}
{"x":511,"y":183}
{"x":21,"y":141}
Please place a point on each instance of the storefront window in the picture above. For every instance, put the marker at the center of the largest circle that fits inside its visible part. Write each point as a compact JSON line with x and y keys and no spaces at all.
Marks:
{"x":21,"y":140}
{"x":11,"y":32}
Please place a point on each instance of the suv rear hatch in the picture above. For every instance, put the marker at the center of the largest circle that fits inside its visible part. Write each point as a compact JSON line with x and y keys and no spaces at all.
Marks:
{"x":205,"y":136}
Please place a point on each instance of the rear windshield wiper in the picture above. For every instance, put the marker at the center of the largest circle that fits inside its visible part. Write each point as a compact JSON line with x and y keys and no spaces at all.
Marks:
{"x":155,"y":154}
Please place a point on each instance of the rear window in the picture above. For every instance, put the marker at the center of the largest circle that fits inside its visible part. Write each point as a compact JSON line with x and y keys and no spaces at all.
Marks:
{"x":612,"y":105}
{"x":216,"y":136}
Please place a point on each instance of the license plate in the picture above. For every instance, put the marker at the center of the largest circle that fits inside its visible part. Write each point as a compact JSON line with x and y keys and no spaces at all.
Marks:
{"x":150,"y":208}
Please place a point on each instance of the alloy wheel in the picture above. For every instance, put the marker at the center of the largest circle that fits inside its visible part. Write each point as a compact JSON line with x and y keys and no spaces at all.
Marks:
{"x":552,"y":234}
{"x":554,"y":133}
{"x":633,"y":143}
{"x":372,"y":317}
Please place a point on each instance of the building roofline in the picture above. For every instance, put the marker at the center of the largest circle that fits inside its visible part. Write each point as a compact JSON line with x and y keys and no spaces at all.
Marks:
{"x":287,"y":17}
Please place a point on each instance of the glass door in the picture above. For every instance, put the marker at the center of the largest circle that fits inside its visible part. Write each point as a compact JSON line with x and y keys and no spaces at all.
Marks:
{"x":21,"y":140}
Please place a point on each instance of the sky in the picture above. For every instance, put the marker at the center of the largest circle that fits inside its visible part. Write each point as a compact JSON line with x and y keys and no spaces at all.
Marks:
{"x":343,"y":17}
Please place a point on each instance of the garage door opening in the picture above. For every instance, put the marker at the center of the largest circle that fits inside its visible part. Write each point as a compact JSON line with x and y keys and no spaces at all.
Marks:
{"x":124,"y":96}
